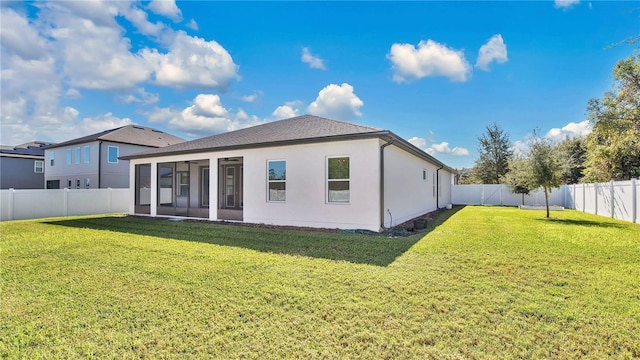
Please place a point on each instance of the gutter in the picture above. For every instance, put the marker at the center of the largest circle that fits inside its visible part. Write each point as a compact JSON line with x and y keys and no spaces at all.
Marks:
{"x":438,"y":188}
{"x":99,"y":162}
{"x":389,"y":142}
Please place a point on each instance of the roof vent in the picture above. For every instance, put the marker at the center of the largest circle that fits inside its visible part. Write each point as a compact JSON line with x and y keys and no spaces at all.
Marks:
{"x":158,"y":131}
{"x":138,"y":127}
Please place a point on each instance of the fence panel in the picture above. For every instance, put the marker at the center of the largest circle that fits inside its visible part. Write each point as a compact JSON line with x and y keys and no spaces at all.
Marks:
{"x":36,"y":203}
{"x":619,"y":199}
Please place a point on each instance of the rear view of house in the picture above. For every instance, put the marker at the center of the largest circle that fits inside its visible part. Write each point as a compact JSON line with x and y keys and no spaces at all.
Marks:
{"x":92,"y":161}
{"x":304,"y":171}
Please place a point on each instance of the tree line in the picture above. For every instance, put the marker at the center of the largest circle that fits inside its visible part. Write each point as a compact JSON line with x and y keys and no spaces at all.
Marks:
{"x":610,"y":152}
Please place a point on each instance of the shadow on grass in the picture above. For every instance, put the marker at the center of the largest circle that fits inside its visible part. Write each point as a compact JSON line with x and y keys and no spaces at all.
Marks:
{"x":360,"y":249}
{"x":589,"y":223}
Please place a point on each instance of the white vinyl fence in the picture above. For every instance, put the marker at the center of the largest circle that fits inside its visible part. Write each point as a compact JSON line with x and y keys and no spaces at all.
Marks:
{"x":615,"y":199}
{"x":34,"y":204}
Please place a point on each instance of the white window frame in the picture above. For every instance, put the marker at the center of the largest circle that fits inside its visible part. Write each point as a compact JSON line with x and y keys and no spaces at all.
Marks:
{"x":109,"y":153}
{"x":78,"y":153}
{"x":52,"y":157}
{"x":425,"y":175}
{"x":69,"y":156}
{"x":269,"y":181}
{"x":36,"y":167}
{"x":327,"y":180}
{"x":87,"y":154}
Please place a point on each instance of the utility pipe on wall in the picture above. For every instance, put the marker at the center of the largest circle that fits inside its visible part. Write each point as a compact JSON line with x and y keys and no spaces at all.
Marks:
{"x":382,"y":182}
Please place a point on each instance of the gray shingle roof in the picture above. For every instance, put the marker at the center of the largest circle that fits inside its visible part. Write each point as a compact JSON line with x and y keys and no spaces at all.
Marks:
{"x":300,"y":129}
{"x":130,"y":134}
{"x":305,"y":127}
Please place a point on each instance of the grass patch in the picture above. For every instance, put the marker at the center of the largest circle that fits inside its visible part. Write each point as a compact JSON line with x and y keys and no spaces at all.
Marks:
{"x":484,"y":282}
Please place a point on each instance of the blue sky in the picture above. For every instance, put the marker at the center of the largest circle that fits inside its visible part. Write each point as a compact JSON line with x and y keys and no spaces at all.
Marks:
{"x":435,"y":73}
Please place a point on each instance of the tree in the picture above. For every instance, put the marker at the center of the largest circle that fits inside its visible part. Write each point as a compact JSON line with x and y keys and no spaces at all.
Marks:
{"x":495,"y":154}
{"x":613,"y":147}
{"x":546,"y":169}
{"x":573,"y":155}
{"x":519,"y":177}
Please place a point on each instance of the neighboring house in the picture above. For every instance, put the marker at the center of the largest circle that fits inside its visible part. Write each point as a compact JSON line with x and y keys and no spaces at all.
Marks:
{"x":305,"y":171}
{"x":22,"y":166}
{"x":92,"y":161}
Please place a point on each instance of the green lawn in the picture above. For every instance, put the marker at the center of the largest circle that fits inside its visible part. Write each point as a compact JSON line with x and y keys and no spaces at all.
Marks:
{"x":485,"y":282}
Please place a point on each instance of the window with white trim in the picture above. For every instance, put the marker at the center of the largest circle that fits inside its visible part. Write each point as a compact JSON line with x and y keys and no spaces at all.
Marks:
{"x":277,"y":180}
{"x":77,"y":159}
{"x":87,"y":154}
{"x":434,"y":184}
{"x":69,"y":156}
{"x":338,"y":179}
{"x":52,"y":157}
{"x":38,"y":166}
{"x":113,"y":152}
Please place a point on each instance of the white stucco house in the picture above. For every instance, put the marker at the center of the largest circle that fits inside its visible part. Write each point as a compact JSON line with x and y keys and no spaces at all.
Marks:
{"x":304,"y":171}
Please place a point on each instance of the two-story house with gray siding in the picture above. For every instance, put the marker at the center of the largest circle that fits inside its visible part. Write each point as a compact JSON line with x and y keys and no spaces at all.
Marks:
{"x":92,"y":161}
{"x":22,"y":166}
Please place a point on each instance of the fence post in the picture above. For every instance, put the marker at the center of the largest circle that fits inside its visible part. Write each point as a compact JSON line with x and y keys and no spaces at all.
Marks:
{"x":66,"y":202}
{"x":634,"y":201}
{"x":613,"y":200}
{"x":11,"y":202}
{"x":110,"y":199}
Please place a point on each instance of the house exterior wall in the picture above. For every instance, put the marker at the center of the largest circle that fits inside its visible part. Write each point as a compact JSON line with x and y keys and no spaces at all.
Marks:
{"x":18,"y":173}
{"x":407,"y":194}
{"x":306,"y":180}
{"x":113,"y":175}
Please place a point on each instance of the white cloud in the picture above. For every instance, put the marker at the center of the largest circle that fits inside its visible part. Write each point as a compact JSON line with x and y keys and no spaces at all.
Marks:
{"x":68,"y":46}
{"x":337,"y":101}
{"x":428,"y":59}
{"x":314,"y":62}
{"x":494,"y":50}
{"x":253,"y":97}
{"x":138,"y":18}
{"x":140,"y":96}
{"x":193,"y":25}
{"x":571,"y":130}
{"x":285,"y":112}
{"x":72,"y":93}
{"x":166,"y":8}
{"x":565,"y":4}
{"x":90,"y":125}
{"x":193,"y":61}
{"x":19,"y":37}
{"x":442,"y":148}
{"x":205,"y":116}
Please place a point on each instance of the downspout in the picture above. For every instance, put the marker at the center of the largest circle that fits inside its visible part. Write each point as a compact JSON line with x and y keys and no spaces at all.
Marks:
{"x":99,"y":162}
{"x":438,"y":188}
{"x":382,"y":182}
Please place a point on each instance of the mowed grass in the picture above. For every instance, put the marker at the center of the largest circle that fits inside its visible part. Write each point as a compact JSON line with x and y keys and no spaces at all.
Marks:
{"x":485,"y":282}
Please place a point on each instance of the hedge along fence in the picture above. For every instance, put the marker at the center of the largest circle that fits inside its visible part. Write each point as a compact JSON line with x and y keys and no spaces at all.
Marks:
{"x":34,"y":204}
{"x":614,"y":199}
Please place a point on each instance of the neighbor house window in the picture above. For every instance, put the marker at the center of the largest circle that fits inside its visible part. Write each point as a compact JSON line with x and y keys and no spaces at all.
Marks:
{"x":87,"y":183}
{"x":77,"y":183}
{"x":69,"y":183}
{"x":69,"y":155}
{"x":52,"y":157}
{"x":424,"y":175}
{"x":113,"y":154}
{"x":87,"y":154}
{"x":338,"y":179}
{"x":277,"y":179}
{"x":77,"y":159}
{"x":38,"y":166}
